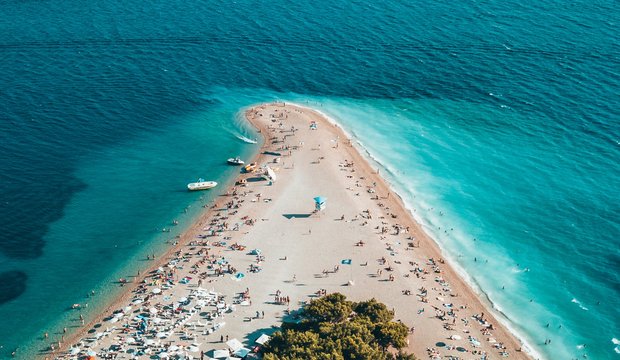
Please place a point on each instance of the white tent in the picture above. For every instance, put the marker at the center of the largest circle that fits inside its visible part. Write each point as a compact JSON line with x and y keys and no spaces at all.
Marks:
{"x":271,"y":174}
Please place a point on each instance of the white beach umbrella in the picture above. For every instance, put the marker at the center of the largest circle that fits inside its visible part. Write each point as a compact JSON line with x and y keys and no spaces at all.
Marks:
{"x":193,"y":348}
{"x":262,"y":339}
{"x":153,"y":310}
{"x":456,"y":337}
{"x":74,"y":350}
{"x":163,"y":355}
{"x":234,"y":344}
{"x":130,"y":340}
{"x":219,"y":354}
{"x":156,"y":291}
{"x":173,"y":348}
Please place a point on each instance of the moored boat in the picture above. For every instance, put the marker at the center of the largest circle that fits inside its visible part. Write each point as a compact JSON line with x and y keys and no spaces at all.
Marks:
{"x":250,"y":167}
{"x":201,"y":184}
{"x":236,"y":161}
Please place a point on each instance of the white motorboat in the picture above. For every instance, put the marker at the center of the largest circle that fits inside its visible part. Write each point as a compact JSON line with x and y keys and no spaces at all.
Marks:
{"x":201,"y":184}
{"x":236,"y":161}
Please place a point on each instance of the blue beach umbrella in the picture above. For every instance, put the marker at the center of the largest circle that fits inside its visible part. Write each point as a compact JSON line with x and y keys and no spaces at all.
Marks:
{"x":319,"y":203}
{"x":320,"y":199}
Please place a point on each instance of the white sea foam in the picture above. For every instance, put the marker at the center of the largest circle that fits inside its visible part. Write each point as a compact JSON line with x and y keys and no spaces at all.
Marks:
{"x":617,"y":343}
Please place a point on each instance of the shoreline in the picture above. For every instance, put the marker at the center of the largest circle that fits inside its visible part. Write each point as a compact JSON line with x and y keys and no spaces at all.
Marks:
{"x":483,"y":297}
{"x":426,"y":245}
{"x":121,"y":298}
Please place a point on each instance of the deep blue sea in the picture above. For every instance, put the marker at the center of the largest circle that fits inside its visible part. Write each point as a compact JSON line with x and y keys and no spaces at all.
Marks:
{"x":498,"y":123}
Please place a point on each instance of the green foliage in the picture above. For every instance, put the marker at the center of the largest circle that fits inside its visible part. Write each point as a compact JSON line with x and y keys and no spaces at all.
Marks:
{"x":333,"y":328}
{"x":331,"y":308}
{"x":377,"y":312}
{"x":391,"y":334}
{"x":404,"y":356}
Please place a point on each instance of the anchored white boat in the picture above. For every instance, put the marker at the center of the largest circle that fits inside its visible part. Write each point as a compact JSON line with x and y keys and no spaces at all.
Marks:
{"x":201,"y":185}
{"x":236,"y":161}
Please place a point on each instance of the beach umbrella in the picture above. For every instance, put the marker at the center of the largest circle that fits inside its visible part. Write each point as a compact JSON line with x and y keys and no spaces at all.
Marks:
{"x":91,"y":353}
{"x":220,"y":354}
{"x":320,"y":199}
{"x":150,"y":342}
{"x":163,"y":355}
{"x":262,"y":339}
{"x":74,"y":350}
{"x":193,"y":348}
{"x":183,"y":299}
{"x":156,"y":291}
{"x":234,"y":344}
{"x":173,"y":348}
{"x":130,"y":340}
{"x":243,"y":352}
{"x":456,"y":337}
{"x":153,"y":310}
{"x":319,"y":202}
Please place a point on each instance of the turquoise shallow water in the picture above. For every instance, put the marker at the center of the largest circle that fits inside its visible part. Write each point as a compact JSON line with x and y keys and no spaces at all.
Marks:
{"x":496,"y":121}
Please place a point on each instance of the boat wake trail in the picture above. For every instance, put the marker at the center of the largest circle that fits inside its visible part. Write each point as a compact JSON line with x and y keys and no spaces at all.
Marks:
{"x":245,"y":139}
{"x":579,"y":303}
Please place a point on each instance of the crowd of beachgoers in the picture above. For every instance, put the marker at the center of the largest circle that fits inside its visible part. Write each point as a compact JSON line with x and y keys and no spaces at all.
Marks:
{"x":257,"y":255}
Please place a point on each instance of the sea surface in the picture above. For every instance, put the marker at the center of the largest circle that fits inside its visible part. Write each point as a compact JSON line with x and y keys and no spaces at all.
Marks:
{"x":498,"y":123}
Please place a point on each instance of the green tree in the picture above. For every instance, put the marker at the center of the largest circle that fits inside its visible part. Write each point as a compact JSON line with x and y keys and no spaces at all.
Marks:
{"x":330,"y":330}
{"x":391,"y":334}
{"x":294,"y":344}
{"x":404,"y":356}
{"x":331,"y":308}
{"x":377,"y":312}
